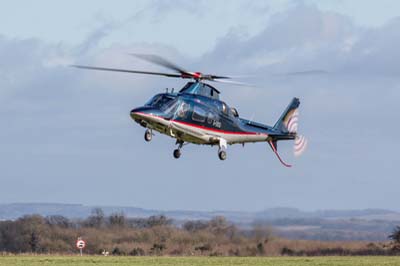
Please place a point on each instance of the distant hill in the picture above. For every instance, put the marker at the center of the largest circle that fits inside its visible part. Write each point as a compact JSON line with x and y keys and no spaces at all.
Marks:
{"x":368,"y":224}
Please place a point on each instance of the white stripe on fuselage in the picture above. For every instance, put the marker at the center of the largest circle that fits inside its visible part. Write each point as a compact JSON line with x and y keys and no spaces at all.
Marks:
{"x":203,"y":135}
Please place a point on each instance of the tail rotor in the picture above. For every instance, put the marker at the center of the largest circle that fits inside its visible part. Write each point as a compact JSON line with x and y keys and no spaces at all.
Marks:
{"x":300,"y":145}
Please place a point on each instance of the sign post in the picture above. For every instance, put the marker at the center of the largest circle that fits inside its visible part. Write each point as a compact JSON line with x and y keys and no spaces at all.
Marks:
{"x":80,"y":244}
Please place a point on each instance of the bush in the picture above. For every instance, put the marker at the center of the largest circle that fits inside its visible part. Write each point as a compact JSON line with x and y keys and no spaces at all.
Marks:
{"x":117,"y":252}
{"x":395,"y":236}
{"x":260,"y":249}
{"x":137,"y":252}
{"x":157,"y":248}
{"x":203,"y":248}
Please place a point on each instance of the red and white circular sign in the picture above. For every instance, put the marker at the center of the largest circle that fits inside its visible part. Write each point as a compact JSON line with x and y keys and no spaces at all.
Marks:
{"x":80,"y":244}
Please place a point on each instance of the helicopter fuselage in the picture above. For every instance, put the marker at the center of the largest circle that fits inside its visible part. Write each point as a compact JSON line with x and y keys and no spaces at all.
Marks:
{"x":198,"y":119}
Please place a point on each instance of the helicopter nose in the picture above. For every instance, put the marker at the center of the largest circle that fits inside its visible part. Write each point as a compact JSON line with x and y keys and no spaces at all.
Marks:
{"x":138,"y":112}
{"x":142,"y":113}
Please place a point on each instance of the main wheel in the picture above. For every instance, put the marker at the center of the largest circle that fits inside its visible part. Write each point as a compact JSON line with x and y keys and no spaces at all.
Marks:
{"x":177,"y":154}
{"x":148,"y":135}
{"x":222,"y":155}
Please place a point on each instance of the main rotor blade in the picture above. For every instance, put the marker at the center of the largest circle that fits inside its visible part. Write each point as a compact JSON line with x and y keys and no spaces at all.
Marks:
{"x":234,"y":82}
{"x":158,"y":60}
{"x":129,"y":71}
{"x":311,"y":72}
{"x":217,"y":77}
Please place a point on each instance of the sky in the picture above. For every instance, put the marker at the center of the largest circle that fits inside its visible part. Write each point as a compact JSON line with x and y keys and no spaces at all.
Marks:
{"x":66,"y":135}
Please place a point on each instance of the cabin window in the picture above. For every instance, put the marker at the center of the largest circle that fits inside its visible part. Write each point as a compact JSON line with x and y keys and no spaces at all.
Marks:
{"x":199,"y":114}
{"x":234,"y":112}
{"x":224,"y":109}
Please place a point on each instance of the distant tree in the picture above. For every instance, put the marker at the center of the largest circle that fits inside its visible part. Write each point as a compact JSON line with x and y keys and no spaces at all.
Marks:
{"x":10,"y":235}
{"x":261,"y":232}
{"x":194,"y":226}
{"x":158,"y":220}
{"x":117,"y":219}
{"x":58,"y":220}
{"x":34,"y":242}
{"x":24,"y":234}
{"x":219,"y":225}
{"x":395,"y":236}
{"x":96,"y":219}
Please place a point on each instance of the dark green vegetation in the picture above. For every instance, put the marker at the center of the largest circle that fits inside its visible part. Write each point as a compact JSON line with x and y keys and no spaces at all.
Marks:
{"x":194,"y":261}
{"x":159,"y":236}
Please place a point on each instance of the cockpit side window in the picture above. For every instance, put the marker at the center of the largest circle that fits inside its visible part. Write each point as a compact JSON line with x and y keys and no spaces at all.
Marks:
{"x":183,"y":110}
{"x":170,"y":107}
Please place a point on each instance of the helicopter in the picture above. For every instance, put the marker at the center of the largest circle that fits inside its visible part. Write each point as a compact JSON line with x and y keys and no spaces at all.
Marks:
{"x":196,"y":114}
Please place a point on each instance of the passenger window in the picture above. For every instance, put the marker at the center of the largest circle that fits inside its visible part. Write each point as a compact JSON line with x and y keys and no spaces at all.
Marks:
{"x":234,"y":112}
{"x":199,"y":114}
{"x":224,"y":109}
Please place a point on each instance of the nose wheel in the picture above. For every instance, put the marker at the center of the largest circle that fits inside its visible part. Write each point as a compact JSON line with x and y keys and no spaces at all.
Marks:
{"x":177,"y":152}
{"x":148,"y":135}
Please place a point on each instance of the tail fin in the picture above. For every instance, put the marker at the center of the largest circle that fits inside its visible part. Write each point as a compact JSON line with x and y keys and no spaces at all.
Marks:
{"x":288,"y":122}
{"x":287,"y":126}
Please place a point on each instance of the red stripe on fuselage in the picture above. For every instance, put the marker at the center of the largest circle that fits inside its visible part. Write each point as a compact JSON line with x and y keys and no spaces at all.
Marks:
{"x":206,"y":128}
{"x":216,"y":130}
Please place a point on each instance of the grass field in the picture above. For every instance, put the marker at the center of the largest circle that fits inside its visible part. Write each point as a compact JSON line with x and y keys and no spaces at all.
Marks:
{"x":200,"y":261}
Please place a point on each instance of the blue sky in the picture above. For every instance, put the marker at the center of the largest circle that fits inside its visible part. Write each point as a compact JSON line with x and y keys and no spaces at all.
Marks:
{"x":66,"y":135}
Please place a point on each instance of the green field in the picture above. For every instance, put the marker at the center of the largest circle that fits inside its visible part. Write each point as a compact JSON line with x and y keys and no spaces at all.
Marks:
{"x":200,"y":261}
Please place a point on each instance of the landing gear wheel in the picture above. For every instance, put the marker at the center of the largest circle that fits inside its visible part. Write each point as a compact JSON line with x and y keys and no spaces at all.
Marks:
{"x":148,"y":135}
{"x":222,"y":155}
{"x":177,"y":154}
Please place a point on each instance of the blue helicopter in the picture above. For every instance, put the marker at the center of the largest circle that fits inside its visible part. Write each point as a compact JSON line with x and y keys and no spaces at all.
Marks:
{"x":196,"y":114}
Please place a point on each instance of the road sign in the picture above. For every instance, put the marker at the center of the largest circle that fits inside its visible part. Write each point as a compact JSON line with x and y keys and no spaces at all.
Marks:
{"x":80,"y":244}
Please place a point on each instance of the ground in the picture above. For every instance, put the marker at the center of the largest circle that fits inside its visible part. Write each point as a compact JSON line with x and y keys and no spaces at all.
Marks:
{"x":201,"y":261}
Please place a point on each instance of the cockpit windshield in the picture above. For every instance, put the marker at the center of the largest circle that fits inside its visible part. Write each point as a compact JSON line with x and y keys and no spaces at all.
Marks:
{"x":170,"y":107}
{"x":159,"y":100}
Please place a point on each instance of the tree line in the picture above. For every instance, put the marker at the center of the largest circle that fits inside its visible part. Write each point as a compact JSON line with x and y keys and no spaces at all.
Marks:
{"x":117,"y":234}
